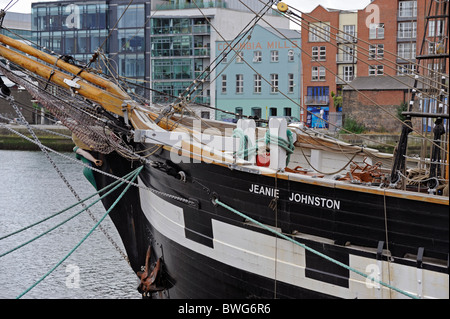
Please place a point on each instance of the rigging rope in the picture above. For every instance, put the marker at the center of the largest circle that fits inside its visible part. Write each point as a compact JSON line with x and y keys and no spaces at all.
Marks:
{"x":127,"y":177}
{"x":64,"y":210}
{"x":349,"y":84}
{"x":277,"y":233}
{"x":136,"y":173}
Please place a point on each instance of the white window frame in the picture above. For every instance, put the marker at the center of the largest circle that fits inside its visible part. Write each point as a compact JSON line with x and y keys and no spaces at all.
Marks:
{"x":291,"y":56}
{"x":375,"y":70}
{"x":240,"y":57}
{"x":257,"y":56}
{"x":257,"y":83}
{"x":376,"y":51}
{"x":406,"y":50}
{"x":291,"y":83}
{"x":407,"y":30}
{"x":274,"y":56}
{"x":349,"y":73}
{"x":407,"y":9}
{"x":319,"y":32}
{"x":318,"y":73}
{"x":274,"y":83}
{"x":224,"y":84}
{"x":404,"y":69}
{"x":376,"y":31}
{"x":319,"y":53}
{"x":239,"y":83}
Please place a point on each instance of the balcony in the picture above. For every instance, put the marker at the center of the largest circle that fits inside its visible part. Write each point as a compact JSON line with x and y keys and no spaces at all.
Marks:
{"x":342,"y":37}
{"x":317,"y":100}
{"x":345,"y":58}
{"x":344,"y":79}
{"x":187,"y":5}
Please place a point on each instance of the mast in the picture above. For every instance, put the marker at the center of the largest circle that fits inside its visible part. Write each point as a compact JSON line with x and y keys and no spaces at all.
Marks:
{"x":433,"y":72}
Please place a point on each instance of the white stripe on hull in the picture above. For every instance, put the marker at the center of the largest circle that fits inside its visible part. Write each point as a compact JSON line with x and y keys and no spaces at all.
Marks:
{"x":284,"y":261}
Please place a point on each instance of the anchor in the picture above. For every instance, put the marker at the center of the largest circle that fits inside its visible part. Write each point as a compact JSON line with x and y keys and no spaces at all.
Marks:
{"x":149,"y":282}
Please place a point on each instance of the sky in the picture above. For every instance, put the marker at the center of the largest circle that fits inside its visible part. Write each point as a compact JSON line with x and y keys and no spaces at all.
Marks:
{"x":24,"y":6}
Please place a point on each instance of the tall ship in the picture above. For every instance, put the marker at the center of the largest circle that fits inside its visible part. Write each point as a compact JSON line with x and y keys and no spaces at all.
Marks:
{"x":258,"y":209}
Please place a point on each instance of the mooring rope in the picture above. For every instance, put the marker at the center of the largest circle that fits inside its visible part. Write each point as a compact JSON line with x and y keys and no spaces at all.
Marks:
{"x":63,"y":222}
{"x":65,"y":209}
{"x":218,"y":202}
{"x":135,"y":174}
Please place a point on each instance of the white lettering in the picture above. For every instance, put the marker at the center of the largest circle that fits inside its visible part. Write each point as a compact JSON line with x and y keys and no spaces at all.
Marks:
{"x":264,"y":190}
{"x":315,"y":201}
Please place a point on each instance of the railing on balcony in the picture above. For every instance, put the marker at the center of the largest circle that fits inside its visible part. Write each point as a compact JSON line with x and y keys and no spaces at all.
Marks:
{"x":342,"y":37}
{"x":317,"y":100}
{"x":345,"y":58}
{"x":344,"y":78}
{"x":189,"y":5}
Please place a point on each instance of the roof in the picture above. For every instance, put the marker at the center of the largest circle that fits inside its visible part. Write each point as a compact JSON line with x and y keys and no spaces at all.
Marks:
{"x":288,"y":33}
{"x":381,"y":82}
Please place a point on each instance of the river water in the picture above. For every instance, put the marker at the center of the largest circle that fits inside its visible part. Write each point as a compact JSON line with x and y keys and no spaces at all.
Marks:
{"x":31,"y":190}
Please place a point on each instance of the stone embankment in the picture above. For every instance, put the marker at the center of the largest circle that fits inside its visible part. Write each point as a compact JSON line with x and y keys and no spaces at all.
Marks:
{"x":61,"y":141}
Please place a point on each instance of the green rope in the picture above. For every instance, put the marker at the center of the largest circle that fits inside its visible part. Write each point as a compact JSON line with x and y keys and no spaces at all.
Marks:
{"x":312,"y":250}
{"x":246,"y":148}
{"x":287,"y":145}
{"x":68,"y":219}
{"x":64,"y":210}
{"x":136,"y":173}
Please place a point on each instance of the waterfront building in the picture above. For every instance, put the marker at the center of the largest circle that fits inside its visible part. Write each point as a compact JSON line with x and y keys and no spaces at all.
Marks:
{"x":161,"y":45}
{"x":17,"y":26}
{"x":260,"y":77}
{"x":115,"y":27}
{"x":383,"y":39}
{"x":183,"y":37}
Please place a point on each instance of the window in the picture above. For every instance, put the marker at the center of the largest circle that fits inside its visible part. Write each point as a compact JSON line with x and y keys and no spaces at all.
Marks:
{"x":376,"y":70}
{"x":224,"y":57}
{"x":319,"y":53}
{"x":239,"y":112}
{"x":291,"y":83}
{"x":287,"y":111}
{"x":348,"y":73}
{"x":257,"y":56}
{"x":274,"y":83}
{"x":407,"y":30}
{"x":256,"y":83}
{"x":376,"y":31}
{"x":349,"y":33}
{"x":406,"y":50}
{"x":318,"y":73}
{"x":291,"y":56}
{"x":224,"y":83}
{"x":239,"y":83}
{"x":376,"y":51}
{"x":256,"y":111}
{"x":407,"y":9}
{"x":431,"y":48}
{"x":435,"y":28}
{"x":273,"y":111}
{"x":319,"y":32}
{"x":274,"y":56}
{"x":240,"y":57}
{"x":406,"y":69}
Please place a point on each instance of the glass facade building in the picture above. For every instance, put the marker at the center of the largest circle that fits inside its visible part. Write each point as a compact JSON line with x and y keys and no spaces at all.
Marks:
{"x":79,"y":28}
{"x":180,"y":53}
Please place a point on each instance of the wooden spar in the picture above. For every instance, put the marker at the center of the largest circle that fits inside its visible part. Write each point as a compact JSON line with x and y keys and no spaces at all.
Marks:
{"x":92,"y":78}
{"x":112,"y":98}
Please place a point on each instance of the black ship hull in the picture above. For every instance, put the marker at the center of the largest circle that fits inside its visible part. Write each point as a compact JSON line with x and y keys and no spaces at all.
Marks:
{"x":207,"y":251}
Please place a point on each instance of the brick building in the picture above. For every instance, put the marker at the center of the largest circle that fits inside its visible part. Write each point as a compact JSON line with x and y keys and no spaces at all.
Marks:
{"x":385,"y":39}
